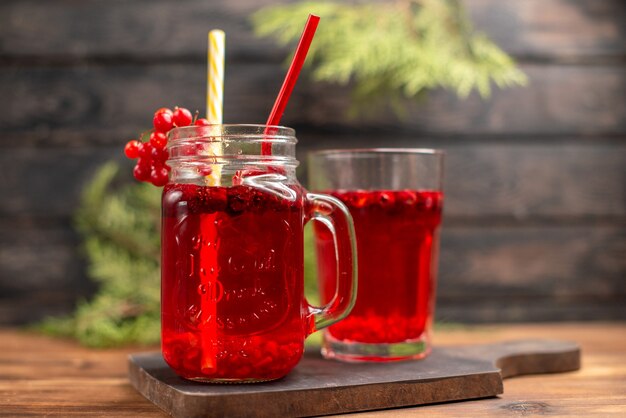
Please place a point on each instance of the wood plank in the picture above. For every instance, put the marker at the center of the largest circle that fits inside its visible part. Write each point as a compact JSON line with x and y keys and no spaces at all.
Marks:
{"x":487,"y":181}
{"x":116,"y":103}
{"x":59,"y":378}
{"x":519,"y":182}
{"x":42,"y":272}
{"x":554,"y":29}
{"x":141,"y":28}
{"x":40,"y":302}
{"x":154,"y":29}
{"x":51,"y":186}
{"x":53,"y":251}
{"x":32,"y":382}
{"x":596,"y":390}
{"x":478,"y":308}
{"x":581,"y":100}
{"x":570,"y":264}
{"x":487,"y":273}
{"x":69,"y":106}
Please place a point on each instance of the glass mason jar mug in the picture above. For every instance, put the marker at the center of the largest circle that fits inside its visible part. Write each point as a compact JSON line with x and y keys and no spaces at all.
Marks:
{"x":232,"y":284}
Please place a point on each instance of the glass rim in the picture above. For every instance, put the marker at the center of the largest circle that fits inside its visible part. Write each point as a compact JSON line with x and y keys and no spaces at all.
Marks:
{"x":229,"y":130}
{"x":358,"y":151}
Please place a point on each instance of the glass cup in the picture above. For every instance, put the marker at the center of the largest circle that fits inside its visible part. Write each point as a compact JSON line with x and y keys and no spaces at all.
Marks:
{"x":232,"y":285}
{"x":395,"y":198}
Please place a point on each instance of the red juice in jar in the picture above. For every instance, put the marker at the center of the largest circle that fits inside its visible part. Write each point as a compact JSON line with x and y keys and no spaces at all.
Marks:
{"x":232,"y":287}
{"x":396,"y":244}
{"x":232,"y":280}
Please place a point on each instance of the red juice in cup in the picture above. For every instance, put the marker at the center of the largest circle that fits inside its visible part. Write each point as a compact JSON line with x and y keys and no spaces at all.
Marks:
{"x":396,"y":242}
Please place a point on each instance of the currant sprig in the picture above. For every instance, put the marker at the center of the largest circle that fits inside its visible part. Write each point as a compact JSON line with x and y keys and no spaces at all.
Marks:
{"x":152,"y":154}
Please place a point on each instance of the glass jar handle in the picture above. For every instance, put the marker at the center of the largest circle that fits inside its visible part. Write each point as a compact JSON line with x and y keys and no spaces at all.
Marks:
{"x":336,"y":217}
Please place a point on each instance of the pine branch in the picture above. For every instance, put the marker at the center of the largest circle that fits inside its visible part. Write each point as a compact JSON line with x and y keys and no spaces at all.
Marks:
{"x":394,"y":50}
{"x":121,"y":231}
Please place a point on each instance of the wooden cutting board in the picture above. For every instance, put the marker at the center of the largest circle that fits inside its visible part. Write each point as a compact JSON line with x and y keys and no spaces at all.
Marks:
{"x":320,"y":387}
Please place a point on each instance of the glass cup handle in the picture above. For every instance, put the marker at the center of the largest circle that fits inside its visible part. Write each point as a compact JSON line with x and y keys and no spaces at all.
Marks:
{"x":336,"y":217}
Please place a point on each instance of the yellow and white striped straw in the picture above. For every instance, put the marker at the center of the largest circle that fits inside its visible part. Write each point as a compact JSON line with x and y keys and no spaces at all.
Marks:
{"x":214,"y":105}
{"x":215,"y":94}
{"x":215,"y":76}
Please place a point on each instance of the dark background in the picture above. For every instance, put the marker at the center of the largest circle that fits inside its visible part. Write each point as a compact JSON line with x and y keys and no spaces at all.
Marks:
{"x":535,"y":221}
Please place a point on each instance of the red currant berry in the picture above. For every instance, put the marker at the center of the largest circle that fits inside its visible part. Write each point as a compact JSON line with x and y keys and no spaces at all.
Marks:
{"x":159,"y":155}
{"x":132,"y":149}
{"x":429,"y":202}
{"x":407,"y":197}
{"x":357,"y":199}
{"x":438,"y":197}
{"x":162,"y":120}
{"x":158,"y":140}
{"x":386,"y":199}
{"x":182,"y":117}
{"x":145,"y":162}
{"x":141,"y":172}
{"x":146,"y":150}
{"x":159,"y":176}
{"x":202,"y":122}
{"x":164,"y":110}
{"x":205,"y":171}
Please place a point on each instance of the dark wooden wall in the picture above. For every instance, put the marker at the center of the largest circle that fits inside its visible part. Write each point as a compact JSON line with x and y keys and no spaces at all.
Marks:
{"x":535,"y":224}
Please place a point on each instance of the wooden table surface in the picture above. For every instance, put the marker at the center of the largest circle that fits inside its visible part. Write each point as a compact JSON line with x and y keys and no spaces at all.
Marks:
{"x":43,"y":376}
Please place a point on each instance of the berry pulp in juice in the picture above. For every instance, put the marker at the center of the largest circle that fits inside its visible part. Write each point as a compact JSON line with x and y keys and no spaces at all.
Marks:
{"x":232,"y":282}
{"x":397,"y":250}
